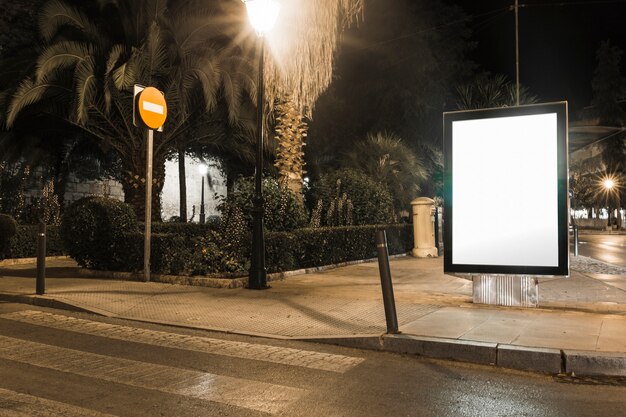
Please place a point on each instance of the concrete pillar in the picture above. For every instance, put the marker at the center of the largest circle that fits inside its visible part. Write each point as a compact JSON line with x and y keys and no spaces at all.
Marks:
{"x":423,"y":228}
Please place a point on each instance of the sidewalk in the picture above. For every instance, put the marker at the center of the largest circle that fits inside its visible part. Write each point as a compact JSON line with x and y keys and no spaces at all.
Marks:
{"x":580,"y":325}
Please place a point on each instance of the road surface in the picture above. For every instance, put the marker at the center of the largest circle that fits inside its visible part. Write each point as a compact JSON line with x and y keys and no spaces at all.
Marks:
{"x":54,"y":362}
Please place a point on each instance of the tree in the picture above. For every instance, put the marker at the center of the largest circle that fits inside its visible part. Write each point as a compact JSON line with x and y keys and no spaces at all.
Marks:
{"x":290,"y":133}
{"x":92,"y":62}
{"x":608,"y":85}
{"x":489,"y":91}
{"x":393,"y":75}
{"x":385,"y":157}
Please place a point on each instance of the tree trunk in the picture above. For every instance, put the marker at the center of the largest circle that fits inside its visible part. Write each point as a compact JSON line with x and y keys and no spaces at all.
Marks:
{"x":182,"y":184}
{"x":133,"y":183}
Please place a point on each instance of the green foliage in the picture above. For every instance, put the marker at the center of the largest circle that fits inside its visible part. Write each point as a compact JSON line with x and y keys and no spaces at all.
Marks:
{"x":608,"y":85}
{"x":305,"y":248}
{"x":283,"y":210}
{"x":8,"y":228}
{"x":385,"y":157}
{"x":13,"y":181}
{"x":488,"y":91}
{"x":45,"y":209}
{"x":188,"y":231}
{"x":24,"y":242}
{"x":92,"y":229}
{"x":372,"y":203}
{"x":211,"y":256}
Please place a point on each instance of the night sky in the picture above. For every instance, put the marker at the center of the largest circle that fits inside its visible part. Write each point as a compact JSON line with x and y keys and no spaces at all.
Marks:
{"x":558,"y":41}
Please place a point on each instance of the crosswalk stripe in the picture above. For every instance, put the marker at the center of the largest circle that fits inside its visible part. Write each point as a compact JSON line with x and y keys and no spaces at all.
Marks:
{"x":254,"y":395}
{"x":14,"y":404}
{"x":243,"y":350}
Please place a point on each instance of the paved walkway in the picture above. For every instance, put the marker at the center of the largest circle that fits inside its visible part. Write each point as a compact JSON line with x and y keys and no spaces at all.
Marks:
{"x":584,"y":312}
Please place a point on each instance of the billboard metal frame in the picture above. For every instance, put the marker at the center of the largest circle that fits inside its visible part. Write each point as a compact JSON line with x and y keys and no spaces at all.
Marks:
{"x":562,"y":269}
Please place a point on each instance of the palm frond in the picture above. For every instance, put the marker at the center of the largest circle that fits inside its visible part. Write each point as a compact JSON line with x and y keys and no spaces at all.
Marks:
{"x":56,"y":14}
{"x":59,"y":56}
{"x":29,"y":92}
{"x":86,"y":87}
{"x":126,"y":74}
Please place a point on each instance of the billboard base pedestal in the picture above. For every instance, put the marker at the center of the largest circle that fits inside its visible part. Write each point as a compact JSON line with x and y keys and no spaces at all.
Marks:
{"x":505,"y":290}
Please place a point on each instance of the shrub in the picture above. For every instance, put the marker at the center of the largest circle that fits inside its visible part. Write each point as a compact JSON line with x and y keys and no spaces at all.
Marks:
{"x":8,"y":228}
{"x":24,"y":243}
{"x":188,"y":231}
{"x":283,"y":210}
{"x":371,"y":201}
{"x":312,"y":247}
{"x":92,"y":229}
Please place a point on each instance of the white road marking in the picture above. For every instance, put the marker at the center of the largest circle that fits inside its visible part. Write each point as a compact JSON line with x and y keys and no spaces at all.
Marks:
{"x":265,"y":353}
{"x":153,"y":107}
{"x":14,"y":404}
{"x":260,"y":396}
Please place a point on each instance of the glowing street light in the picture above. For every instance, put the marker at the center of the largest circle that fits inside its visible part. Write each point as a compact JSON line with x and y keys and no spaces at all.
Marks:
{"x":262,"y":15}
{"x":203,"y":169}
{"x":608,"y":184}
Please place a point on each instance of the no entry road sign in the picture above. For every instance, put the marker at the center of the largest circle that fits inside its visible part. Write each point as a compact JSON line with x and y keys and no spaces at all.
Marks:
{"x":150,"y":106}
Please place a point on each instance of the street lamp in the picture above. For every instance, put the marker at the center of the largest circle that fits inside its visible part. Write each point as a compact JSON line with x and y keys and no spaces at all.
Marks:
{"x":608,"y":184}
{"x":262,"y":15}
{"x":203,"y":170}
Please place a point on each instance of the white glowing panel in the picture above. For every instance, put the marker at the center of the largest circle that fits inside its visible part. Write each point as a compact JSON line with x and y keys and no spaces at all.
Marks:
{"x":505,"y":191}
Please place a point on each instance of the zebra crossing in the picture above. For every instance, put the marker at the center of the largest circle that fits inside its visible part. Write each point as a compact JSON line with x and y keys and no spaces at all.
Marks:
{"x":264,"y":397}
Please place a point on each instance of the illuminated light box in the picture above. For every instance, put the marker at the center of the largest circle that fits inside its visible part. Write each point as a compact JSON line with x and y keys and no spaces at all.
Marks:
{"x":505,"y":191}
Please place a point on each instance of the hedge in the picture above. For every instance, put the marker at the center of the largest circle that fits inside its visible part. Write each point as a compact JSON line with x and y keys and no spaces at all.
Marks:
{"x":24,"y":242}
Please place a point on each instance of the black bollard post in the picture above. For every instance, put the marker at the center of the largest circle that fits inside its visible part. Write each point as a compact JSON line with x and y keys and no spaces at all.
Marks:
{"x":437,"y":230}
{"x":41,"y":259}
{"x":385,"y":282}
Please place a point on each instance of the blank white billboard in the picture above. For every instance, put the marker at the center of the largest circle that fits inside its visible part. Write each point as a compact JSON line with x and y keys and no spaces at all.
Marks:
{"x":506,"y":191}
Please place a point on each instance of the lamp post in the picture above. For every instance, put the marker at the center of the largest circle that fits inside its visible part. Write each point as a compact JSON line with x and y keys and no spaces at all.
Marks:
{"x":203,"y":169}
{"x":608,"y":185}
{"x":262,"y":15}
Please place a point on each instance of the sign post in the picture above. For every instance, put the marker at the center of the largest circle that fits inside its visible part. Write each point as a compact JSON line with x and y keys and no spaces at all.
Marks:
{"x":150,"y":111}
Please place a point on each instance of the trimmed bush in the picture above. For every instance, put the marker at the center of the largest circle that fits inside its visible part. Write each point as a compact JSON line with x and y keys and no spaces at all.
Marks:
{"x":93,"y":230}
{"x":8,"y":228}
{"x":188,"y":231}
{"x":24,"y":243}
{"x":305,"y":248}
{"x":370,"y":200}
{"x":283,"y":210}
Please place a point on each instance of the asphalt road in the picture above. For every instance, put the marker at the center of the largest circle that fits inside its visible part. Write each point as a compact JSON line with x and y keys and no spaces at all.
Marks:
{"x":606,"y":248}
{"x":59,"y":363}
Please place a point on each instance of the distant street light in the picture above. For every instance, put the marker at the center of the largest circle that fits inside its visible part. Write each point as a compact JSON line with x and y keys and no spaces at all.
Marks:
{"x":609,"y":184}
{"x":203,"y":170}
{"x":262,"y":15}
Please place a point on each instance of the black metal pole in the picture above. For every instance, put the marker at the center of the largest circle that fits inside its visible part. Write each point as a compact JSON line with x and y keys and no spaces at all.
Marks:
{"x":385,"y":282}
{"x":437,"y":230}
{"x":202,"y":215}
{"x":257,"y":278}
{"x":41,"y":259}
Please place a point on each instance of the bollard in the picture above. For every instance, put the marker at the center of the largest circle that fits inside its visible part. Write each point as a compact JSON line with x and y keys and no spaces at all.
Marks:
{"x":41,"y":260}
{"x":575,"y":240}
{"x":385,"y":282}
{"x":437,"y":230}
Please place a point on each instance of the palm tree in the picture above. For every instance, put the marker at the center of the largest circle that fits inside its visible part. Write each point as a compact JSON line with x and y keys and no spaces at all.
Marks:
{"x":92,"y":66}
{"x":488,"y":91}
{"x":385,"y":158}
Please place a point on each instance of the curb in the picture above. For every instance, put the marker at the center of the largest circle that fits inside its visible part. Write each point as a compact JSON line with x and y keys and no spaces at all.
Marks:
{"x":22,"y":261}
{"x":523,"y":358}
{"x":43,"y":301}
